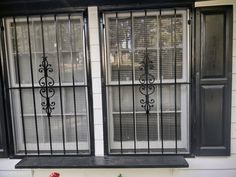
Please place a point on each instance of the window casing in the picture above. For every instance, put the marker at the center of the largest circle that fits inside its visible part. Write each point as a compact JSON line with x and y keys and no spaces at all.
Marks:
{"x":61,"y":39}
{"x":129,"y":37}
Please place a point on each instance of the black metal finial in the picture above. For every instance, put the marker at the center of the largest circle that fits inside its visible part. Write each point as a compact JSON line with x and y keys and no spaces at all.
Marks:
{"x":147,"y":86}
{"x":46,"y":82}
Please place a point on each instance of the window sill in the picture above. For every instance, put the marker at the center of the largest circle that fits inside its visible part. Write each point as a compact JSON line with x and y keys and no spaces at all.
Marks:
{"x":175,"y":161}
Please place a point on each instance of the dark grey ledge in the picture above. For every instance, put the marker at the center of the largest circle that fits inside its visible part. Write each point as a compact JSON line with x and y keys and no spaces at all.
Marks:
{"x":104,"y":162}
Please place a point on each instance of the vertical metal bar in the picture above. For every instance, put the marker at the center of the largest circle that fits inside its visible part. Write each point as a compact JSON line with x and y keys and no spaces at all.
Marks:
{"x":133,"y":70}
{"x":49,"y":122}
{"x":33,"y":89}
{"x":105,"y":77}
{"x":118,"y":47}
{"x":146,"y":73}
{"x":73,"y":80}
{"x":175,"y":83}
{"x":20,"y":89}
{"x":160,"y":75}
{"x":89,"y":82}
{"x":60,"y":88}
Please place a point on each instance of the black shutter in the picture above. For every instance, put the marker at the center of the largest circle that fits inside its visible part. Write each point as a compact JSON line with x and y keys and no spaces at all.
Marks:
{"x":213,"y":80}
{"x":3,"y":142}
{"x":3,"y":124}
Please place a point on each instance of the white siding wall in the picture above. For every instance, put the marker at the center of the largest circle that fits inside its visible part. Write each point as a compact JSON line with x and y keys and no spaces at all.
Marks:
{"x":199,"y":166}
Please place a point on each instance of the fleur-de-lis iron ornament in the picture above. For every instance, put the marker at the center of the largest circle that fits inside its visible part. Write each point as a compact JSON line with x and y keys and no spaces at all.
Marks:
{"x":46,"y":83}
{"x":147,"y":86}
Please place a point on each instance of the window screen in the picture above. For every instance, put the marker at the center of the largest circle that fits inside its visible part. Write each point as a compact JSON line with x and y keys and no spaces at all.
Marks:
{"x":147,"y":81}
{"x":48,"y":84}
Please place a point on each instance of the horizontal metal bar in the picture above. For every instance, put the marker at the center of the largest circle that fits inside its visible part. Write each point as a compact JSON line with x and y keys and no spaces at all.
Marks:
{"x":57,"y":11}
{"x":157,"y":84}
{"x":150,"y":6}
{"x":38,"y":87}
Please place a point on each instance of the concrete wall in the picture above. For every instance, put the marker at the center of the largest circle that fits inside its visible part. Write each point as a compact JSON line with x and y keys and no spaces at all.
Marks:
{"x":198,"y":167}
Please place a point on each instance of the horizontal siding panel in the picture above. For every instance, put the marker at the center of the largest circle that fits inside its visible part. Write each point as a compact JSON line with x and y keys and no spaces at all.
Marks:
{"x":233,"y":115}
{"x":233,"y":147}
{"x":208,"y":163}
{"x":234,"y":31}
{"x":8,"y":164}
{"x":234,"y":65}
{"x":234,"y":82}
{"x":234,"y":47}
{"x":233,"y":131}
{"x":234,"y":12}
{"x":204,"y":173}
{"x":234,"y":98}
{"x":16,"y":173}
{"x":108,"y":173}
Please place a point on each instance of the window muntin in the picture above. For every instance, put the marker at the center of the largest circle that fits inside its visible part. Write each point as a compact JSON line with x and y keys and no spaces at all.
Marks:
{"x":63,"y":44}
{"x":126,"y":45}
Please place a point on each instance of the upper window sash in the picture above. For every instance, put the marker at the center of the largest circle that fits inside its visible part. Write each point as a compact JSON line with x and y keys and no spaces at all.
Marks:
{"x":131,"y":47}
{"x":37,"y":51}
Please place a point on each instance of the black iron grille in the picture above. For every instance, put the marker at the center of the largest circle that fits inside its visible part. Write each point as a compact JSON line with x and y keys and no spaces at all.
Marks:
{"x":147,"y":81}
{"x":49,"y":84}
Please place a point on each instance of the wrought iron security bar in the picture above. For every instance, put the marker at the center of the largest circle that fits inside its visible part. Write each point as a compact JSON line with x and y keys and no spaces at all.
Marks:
{"x":49,"y":84}
{"x":147,"y":81}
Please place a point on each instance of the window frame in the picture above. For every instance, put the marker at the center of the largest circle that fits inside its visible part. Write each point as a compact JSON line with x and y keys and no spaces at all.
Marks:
{"x":187,"y":76}
{"x":87,"y":82}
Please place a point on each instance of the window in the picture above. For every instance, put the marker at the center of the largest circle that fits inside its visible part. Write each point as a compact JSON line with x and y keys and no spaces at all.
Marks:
{"x":147,"y":81}
{"x":48,"y":84}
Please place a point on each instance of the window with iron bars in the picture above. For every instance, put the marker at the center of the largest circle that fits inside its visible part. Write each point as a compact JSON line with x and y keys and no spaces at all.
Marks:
{"x":49,"y":84}
{"x":147,"y":81}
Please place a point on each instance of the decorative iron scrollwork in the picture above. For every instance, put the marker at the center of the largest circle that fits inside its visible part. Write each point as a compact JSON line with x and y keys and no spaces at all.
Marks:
{"x":46,"y":83}
{"x":147,"y":86}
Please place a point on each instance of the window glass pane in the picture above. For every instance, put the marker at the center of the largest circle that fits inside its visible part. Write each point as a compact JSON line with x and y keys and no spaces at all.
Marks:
{"x":169,"y":32}
{"x":124,"y":33}
{"x":141,"y":127}
{"x":145,"y":32}
{"x":63,"y":34}
{"x":169,"y":126}
{"x":112,"y":31}
{"x":168,"y":63}
{"x":124,"y":97}
{"x":22,"y":38}
{"x":140,"y":55}
{"x":168,"y":97}
{"x":142,"y":132}
{"x":127,"y":127}
{"x":79,"y":71}
{"x":76,"y":33}
{"x":49,"y":29}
